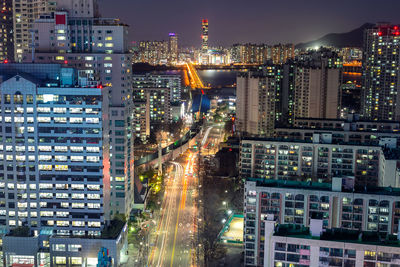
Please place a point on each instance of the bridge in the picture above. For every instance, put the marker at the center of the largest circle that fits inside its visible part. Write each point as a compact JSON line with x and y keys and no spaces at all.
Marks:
{"x":195,"y":81}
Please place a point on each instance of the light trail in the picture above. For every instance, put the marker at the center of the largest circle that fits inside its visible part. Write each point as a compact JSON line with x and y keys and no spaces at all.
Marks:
{"x":195,"y":80}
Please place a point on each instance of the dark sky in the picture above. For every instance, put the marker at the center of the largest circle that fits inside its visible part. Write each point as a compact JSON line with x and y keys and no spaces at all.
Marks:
{"x":233,"y":21}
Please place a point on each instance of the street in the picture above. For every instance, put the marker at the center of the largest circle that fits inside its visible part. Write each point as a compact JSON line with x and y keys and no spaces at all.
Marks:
{"x":174,"y":239}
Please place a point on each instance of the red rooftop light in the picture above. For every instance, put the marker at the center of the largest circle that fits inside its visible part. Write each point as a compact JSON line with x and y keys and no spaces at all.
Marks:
{"x":65,"y":61}
{"x":380,"y":33}
{"x":5,"y":61}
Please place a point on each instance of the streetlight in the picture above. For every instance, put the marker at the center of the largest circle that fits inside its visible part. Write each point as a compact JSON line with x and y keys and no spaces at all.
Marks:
{"x":229,"y":212}
{"x":223,"y":220}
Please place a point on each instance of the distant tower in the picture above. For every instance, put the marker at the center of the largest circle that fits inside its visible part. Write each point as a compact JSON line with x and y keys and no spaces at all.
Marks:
{"x":173,"y":48}
{"x":204,"y":36}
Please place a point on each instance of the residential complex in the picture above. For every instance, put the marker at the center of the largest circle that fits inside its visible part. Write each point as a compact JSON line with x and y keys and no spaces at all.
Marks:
{"x":151,"y":52}
{"x":6,"y":32}
{"x":351,"y":130}
{"x":261,"y":53}
{"x":171,"y":82}
{"x":320,"y":160}
{"x":274,"y":94}
{"x":380,"y":80}
{"x":371,"y":211}
{"x":288,"y":245}
{"x":56,"y":169}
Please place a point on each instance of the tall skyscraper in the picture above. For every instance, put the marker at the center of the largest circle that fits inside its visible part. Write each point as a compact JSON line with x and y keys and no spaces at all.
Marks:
{"x":173,"y":48}
{"x":24,"y":14}
{"x":380,"y":80}
{"x":73,"y":37}
{"x":6,"y":31}
{"x":204,"y":35}
{"x":55,"y":173}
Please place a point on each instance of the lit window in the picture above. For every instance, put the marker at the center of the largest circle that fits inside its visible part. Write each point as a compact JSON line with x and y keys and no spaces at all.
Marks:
{"x":61,"y":167}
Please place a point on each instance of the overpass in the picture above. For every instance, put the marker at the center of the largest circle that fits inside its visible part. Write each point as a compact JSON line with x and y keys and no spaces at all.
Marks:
{"x":195,"y":81}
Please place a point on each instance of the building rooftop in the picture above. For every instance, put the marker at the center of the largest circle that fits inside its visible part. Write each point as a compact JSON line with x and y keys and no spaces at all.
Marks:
{"x":315,"y":186}
{"x":337,"y":235}
{"x":290,"y":140}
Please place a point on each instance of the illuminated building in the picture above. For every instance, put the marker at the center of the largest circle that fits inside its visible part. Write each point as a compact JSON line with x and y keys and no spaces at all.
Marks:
{"x":204,"y":35}
{"x":24,"y":14}
{"x":281,"y":53}
{"x":152,"y":52}
{"x":6,"y":31}
{"x":262,"y":53}
{"x":97,"y":46}
{"x":170,"y":81}
{"x":55,"y":178}
{"x":277,"y":93}
{"x":380,"y":80}
{"x":291,"y":223}
{"x":317,"y":91}
{"x":257,"y":101}
{"x":204,"y":42}
{"x":156,"y":99}
{"x":173,"y":48}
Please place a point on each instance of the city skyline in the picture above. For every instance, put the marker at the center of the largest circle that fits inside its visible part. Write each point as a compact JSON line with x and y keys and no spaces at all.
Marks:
{"x":262,"y":18}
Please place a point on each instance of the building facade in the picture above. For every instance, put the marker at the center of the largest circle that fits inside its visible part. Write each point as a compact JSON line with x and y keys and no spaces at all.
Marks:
{"x":55,"y":181}
{"x":73,"y":36}
{"x":320,"y":160}
{"x":380,"y":80}
{"x":372,"y":211}
{"x":6,"y":32}
{"x":24,"y":14}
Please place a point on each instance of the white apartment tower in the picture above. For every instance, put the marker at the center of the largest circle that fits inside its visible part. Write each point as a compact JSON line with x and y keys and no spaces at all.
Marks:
{"x":73,"y":36}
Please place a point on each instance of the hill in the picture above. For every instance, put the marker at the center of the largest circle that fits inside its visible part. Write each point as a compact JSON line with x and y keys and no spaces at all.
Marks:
{"x":352,"y":38}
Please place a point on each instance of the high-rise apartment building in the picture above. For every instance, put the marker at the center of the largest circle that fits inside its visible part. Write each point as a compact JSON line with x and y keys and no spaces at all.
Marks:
{"x":317,"y":90}
{"x":151,"y":52}
{"x":374,"y":164}
{"x":173,"y":52}
{"x":157,"y":102}
{"x":380,"y":81}
{"x":55,"y":178}
{"x":361,"y":214}
{"x":72,"y":36}
{"x":6,"y":31}
{"x":25,"y":12}
{"x":257,"y":98}
{"x":281,"y":53}
{"x":172,"y":82}
{"x":262,"y":53}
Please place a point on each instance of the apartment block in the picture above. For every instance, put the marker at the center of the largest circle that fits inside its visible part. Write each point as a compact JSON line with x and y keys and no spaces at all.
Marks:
{"x":320,"y":160}
{"x":380,"y":80}
{"x":24,"y":14}
{"x":287,"y":245}
{"x":337,"y":205}
{"x":6,"y":32}
{"x":74,"y":36}
{"x":55,"y":179}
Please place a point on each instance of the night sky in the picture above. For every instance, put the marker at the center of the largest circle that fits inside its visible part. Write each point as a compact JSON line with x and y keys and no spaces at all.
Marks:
{"x":233,"y":21}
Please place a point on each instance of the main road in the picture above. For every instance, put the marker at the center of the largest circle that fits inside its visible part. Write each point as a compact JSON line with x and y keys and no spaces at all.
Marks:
{"x":175,"y":242}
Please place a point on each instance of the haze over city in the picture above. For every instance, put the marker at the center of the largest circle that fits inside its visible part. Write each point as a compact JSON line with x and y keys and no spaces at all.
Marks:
{"x":237,"y":21}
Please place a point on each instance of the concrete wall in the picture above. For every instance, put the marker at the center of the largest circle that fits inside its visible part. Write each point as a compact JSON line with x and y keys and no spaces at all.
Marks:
{"x":173,"y":154}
